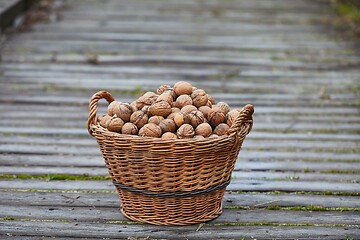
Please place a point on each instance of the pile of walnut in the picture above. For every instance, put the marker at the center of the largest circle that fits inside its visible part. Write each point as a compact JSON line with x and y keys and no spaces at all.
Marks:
{"x":179,"y":112}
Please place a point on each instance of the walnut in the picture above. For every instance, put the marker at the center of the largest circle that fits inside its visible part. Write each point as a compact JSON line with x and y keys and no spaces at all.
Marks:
{"x":169,"y":135}
{"x":171,"y":116}
{"x":225,"y":108}
{"x":196,"y":118}
{"x":167,"y":97}
{"x":199,"y":98}
{"x":103,"y":120}
{"x":231,"y":116}
{"x":216,"y":116}
{"x":221,"y":129}
{"x":160,"y":109}
{"x":155,"y":119}
{"x":115,"y":124}
{"x":129,"y":128}
{"x":180,"y":118}
{"x":134,"y":106}
{"x":209,"y":104}
{"x":123,"y":111}
{"x":150,"y":130}
{"x":204,"y":130}
{"x":205,"y":110}
{"x":167,"y":125}
{"x":211,"y":99}
{"x":111,"y":108}
{"x":175,"y":109}
{"x":188,"y":108}
{"x":181,"y":88}
{"x":199,"y":137}
{"x":145,"y":109}
{"x":194,"y":88}
{"x":183,"y":100}
{"x":185,"y":131}
{"x":162,"y":89}
{"x":213,"y":136}
{"x":147,"y":99}
{"x":139,"y":118}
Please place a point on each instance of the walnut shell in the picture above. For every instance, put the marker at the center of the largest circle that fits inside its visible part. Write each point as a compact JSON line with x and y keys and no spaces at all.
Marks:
{"x":188,"y":108}
{"x":103,"y":120}
{"x":150,"y":130}
{"x":199,"y":137}
{"x":181,"y":88}
{"x":205,"y":110}
{"x":139,"y":118}
{"x":196,"y":118}
{"x":115,"y":124}
{"x":169,"y":135}
{"x":221,"y":129}
{"x":167,"y":97}
{"x":211,"y":99}
{"x":134,"y":106}
{"x":155,"y":119}
{"x":147,"y":99}
{"x":162,"y":89}
{"x":213,"y":136}
{"x":145,"y":109}
{"x":185,"y":131}
{"x":183,"y":100}
{"x":171,"y":116}
{"x":129,"y":128}
{"x":199,"y":98}
{"x":231,"y":116}
{"x":216,"y":116}
{"x":167,"y":125}
{"x":225,"y":108}
{"x":180,"y":118}
{"x":204,"y":130}
{"x":111,"y":108}
{"x":161,"y":108}
{"x":123,"y":111}
{"x":175,"y":109}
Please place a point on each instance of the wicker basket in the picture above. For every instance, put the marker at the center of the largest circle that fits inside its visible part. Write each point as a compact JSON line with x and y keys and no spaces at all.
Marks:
{"x":169,"y":182}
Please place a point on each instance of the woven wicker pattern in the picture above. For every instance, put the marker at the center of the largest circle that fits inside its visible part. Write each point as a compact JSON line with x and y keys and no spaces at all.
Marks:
{"x":180,"y":165}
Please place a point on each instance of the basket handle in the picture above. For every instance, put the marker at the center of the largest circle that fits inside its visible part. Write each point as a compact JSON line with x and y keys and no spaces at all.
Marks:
{"x":244,"y":118}
{"x":92,"y":119}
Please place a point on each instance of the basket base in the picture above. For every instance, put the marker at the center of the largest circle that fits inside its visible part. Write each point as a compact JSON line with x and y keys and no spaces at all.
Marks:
{"x":171,"y":211}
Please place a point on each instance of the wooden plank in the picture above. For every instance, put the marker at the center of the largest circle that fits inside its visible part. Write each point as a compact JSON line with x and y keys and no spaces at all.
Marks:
{"x":231,"y":200}
{"x":83,"y":230}
{"x":236,"y":185}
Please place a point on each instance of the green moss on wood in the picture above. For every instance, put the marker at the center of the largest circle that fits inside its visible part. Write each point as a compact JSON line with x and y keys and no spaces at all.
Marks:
{"x":52,"y":177}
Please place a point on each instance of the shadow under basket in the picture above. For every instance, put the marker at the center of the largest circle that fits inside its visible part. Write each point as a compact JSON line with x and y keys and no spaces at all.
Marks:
{"x":170,"y":182}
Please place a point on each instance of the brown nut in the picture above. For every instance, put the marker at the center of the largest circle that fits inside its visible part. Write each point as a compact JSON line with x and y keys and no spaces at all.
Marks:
{"x":204,"y":130}
{"x":221,"y":129}
{"x":160,"y":109}
{"x":183,"y":100}
{"x":103,"y":120}
{"x":231,"y":116}
{"x":213,"y":136}
{"x":185,"y":131}
{"x":199,"y":98}
{"x":188,"y":108}
{"x":123,"y":111}
{"x":139,"y":118}
{"x":145,"y":109}
{"x":115,"y":124}
{"x":199,"y":137}
{"x":167,"y":125}
{"x":129,"y":128}
{"x":216,"y":116}
{"x":169,"y":135}
{"x":147,"y":99}
{"x":155,"y":119}
{"x":205,"y":110}
{"x":171,"y":116}
{"x":211,"y":99}
{"x":167,"y":97}
{"x":150,"y":130}
{"x":180,"y":118}
{"x":175,"y":109}
{"x":224,"y":107}
{"x":111,"y":108}
{"x":181,"y":88}
{"x":162,"y":89}
{"x":134,"y":106}
{"x":196,"y":118}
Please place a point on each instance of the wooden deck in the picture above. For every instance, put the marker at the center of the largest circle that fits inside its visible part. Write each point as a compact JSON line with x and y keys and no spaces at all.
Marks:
{"x":298,"y":174}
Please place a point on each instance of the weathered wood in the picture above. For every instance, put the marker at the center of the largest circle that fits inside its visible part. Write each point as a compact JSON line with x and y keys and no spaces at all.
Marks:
{"x":82,"y":230}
